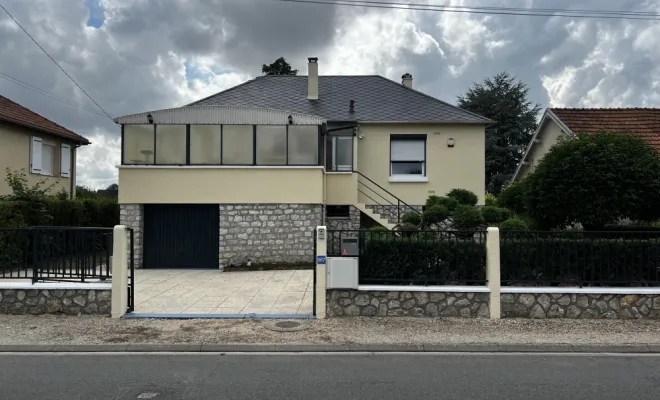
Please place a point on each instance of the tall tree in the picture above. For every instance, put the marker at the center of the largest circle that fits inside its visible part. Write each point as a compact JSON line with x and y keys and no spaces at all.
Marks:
{"x":504,"y":100}
{"x":279,"y":67}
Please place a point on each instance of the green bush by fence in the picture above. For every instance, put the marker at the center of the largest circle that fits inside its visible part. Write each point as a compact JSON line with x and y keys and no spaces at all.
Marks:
{"x":593,"y":260}
{"x":420,"y":259}
{"x":56,"y":212}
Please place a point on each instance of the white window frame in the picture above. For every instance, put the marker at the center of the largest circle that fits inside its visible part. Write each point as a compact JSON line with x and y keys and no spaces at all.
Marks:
{"x":342,"y":167}
{"x":65,"y":160}
{"x":408,"y":177}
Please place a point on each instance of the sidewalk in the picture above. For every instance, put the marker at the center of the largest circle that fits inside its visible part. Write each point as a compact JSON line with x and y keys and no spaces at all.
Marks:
{"x":86,"y":333}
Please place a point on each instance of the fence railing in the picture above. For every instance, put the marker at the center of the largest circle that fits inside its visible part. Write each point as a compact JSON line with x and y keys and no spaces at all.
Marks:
{"x":579,"y":258}
{"x":416,"y":258}
{"x":55,"y":253}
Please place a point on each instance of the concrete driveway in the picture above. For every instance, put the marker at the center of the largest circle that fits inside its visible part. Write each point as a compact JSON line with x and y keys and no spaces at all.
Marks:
{"x":162,"y":291}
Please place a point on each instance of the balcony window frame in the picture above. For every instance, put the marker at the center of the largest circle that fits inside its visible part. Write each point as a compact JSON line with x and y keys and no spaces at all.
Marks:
{"x":319,"y":141}
{"x":330,"y":141}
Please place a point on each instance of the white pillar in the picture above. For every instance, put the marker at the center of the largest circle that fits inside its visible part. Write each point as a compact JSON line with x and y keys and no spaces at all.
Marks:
{"x":321,"y":260}
{"x":119,"y":271}
{"x":493,"y":270}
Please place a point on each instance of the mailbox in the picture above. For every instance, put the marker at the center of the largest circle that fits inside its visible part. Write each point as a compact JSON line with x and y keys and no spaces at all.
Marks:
{"x":349,"y":247}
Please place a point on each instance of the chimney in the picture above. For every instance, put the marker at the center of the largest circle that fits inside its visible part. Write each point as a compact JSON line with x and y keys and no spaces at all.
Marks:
{"x":406,"y":80}
{"x":313,"y":79}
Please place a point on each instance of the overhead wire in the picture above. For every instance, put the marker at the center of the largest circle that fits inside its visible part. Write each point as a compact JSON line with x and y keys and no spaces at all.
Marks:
{"x":55,"y":62}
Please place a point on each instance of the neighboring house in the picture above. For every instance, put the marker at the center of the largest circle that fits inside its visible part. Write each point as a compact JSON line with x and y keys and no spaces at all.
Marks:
{"x":570,"y":123}
{"x":249,"y":172}
{"x":44,"y":149}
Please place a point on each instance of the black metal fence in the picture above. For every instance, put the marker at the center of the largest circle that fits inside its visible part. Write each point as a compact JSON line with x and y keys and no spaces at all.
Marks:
{"x":416,"y":258}
{"x":580,"y":258}
{"x":55,"y":253}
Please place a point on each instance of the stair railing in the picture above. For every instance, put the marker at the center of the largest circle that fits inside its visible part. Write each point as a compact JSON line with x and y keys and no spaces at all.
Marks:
{"x":375,"y":190}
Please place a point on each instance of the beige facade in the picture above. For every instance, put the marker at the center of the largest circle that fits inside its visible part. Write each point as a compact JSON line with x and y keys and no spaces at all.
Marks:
{"x":460,"y":166}
{"x":547,"y":136}
{"x":220,"y":185}
{"x":15,"y":153}
{"x":454,"y":158}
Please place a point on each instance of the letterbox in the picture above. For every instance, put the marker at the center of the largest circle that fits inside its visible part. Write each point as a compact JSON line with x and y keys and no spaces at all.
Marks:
{"x":349,"y":247}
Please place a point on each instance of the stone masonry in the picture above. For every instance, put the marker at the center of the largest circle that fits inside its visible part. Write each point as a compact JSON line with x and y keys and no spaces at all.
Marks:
{"x":132,"y":215}
{"x":268,"y":233}
{"x":353,"y":303}
{"x":352,"y":223}
{"x":584,"y":306}
{"x":59,"y":301}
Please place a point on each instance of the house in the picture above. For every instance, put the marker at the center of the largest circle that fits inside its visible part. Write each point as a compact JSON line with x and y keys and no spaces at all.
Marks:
{"x":247,"y":173}
{"x":570,"y":123}
{"x":44,"y":149}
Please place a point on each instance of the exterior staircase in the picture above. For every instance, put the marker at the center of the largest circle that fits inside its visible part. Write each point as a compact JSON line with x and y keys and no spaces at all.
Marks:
{"x":376,"y":217}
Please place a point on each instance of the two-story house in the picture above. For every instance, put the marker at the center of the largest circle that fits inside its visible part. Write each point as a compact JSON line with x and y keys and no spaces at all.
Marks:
{"x":39,"y":146}
{"x":249,"y":172}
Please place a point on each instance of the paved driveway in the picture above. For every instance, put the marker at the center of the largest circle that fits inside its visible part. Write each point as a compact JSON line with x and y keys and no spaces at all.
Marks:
{"x":215,"y":292}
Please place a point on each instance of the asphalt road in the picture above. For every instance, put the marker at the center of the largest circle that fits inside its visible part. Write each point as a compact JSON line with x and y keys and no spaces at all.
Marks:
{"x":317,"y":377}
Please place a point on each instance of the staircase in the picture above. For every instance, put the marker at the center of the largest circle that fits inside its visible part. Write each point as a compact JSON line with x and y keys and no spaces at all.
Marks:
{"x":383,"y":198}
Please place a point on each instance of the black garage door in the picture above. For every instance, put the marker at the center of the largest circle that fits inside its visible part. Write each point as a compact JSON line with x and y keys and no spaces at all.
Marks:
{"x":181,"y":236}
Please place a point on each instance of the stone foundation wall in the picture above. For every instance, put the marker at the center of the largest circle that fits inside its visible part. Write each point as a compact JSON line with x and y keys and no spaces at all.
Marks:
{"x":584,"y":306}
{"x":390,"y":211}
{"x":351,"y":223}
{"x":353,"y":303}
{"x":132,"y":215}
{"x":268,"y":233}
{"x":59,"y":301}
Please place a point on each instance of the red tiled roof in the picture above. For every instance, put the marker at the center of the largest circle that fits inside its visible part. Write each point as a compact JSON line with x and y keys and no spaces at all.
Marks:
{"x":17,"y":114}
{"x":641,"y":122}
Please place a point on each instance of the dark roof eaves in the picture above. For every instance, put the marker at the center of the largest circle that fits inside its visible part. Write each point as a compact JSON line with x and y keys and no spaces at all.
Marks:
{"x":81,"y":139}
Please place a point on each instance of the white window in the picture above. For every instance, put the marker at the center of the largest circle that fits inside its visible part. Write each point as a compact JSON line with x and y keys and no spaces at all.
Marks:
{"x":43,"y":157}
{"x":65,"y":161}
{"x":342,"y":154}
{"x":407,"y":158}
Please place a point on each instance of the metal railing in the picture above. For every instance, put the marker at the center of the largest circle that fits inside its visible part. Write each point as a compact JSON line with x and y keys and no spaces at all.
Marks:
{"x":383,"y":198}
{"x":416,"y":258}
{"x":578,"y":258}
{"x":55,"y":253}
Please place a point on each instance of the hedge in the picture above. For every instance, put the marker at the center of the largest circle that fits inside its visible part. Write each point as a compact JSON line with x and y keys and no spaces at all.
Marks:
{"x":586,"y":260}
{"x":417,"y":259}
{"x":55,"y":212}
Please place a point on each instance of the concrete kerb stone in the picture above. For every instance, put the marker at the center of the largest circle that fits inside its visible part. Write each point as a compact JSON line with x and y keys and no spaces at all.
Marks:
{"x":333,"y":348}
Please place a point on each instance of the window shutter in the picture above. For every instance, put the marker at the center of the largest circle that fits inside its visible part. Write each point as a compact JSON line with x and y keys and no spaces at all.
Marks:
{"x":65,"y":161}
{"x":35,"y":155}
{"x":407,"y":150}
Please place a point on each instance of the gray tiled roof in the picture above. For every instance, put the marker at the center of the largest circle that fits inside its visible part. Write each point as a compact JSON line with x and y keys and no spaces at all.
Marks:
{"x":376,"y":99}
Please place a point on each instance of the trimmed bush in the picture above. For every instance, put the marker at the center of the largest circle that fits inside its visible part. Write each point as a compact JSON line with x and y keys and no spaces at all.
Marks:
{"x":514,"y":224}
{"x":578,"y":259}
{"x":495,"y":215}
{"x":435,"y":214}
{"x":463,"y":196}
{"x":513,"y":197}
{"x":56,"y":212}
{"x":411,"y":218}
{"x":417,"y":259}
{"x":467,"y":218}
{"x":448,"y":202}
{"x":379,"y":228}
{"x":491,"y":200}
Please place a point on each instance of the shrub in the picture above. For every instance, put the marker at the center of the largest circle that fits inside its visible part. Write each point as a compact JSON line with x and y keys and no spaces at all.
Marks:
{"x":513,"y":197}
{"x":416,"y":259}
{"x":378,"y":228}
{"x":491,"y":200}
{"x":597,"y":180}
{"x":514,"y":224}
{"x":578,"y":258}
{"x":495,"y":215}
{"x":463,"y":196}
{"x":467,"y":218}
{"x":435,"y":214}
{"x":411,"y":218}
{"x":56,"y":212}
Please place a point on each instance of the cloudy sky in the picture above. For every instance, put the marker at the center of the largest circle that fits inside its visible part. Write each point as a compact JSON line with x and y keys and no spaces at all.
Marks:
{"x":139,"y":55}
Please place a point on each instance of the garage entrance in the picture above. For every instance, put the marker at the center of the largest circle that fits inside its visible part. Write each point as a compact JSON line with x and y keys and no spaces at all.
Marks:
{"x":181,"y":236}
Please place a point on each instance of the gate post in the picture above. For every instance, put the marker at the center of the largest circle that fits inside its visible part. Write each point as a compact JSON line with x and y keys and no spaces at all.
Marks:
{"x":119,"y":271}
{"x":321,"y":260}
{"x":493,"y":270}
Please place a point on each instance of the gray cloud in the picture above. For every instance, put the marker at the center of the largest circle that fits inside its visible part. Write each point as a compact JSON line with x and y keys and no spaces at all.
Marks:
{"x":137,"y":60}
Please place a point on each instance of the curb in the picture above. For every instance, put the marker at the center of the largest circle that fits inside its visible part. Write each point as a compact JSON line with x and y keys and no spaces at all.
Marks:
{"x":331,"y":348}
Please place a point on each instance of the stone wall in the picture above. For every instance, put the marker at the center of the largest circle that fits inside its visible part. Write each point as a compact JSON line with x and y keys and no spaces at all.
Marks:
{"x":59,"y":301}
{"x":132,"y":215}
{"x":390,"y":211}
{"x":268,"y":233}
{"x":585,"y":306}
{"x":350,"y":223}
{"x":353,"y":303}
